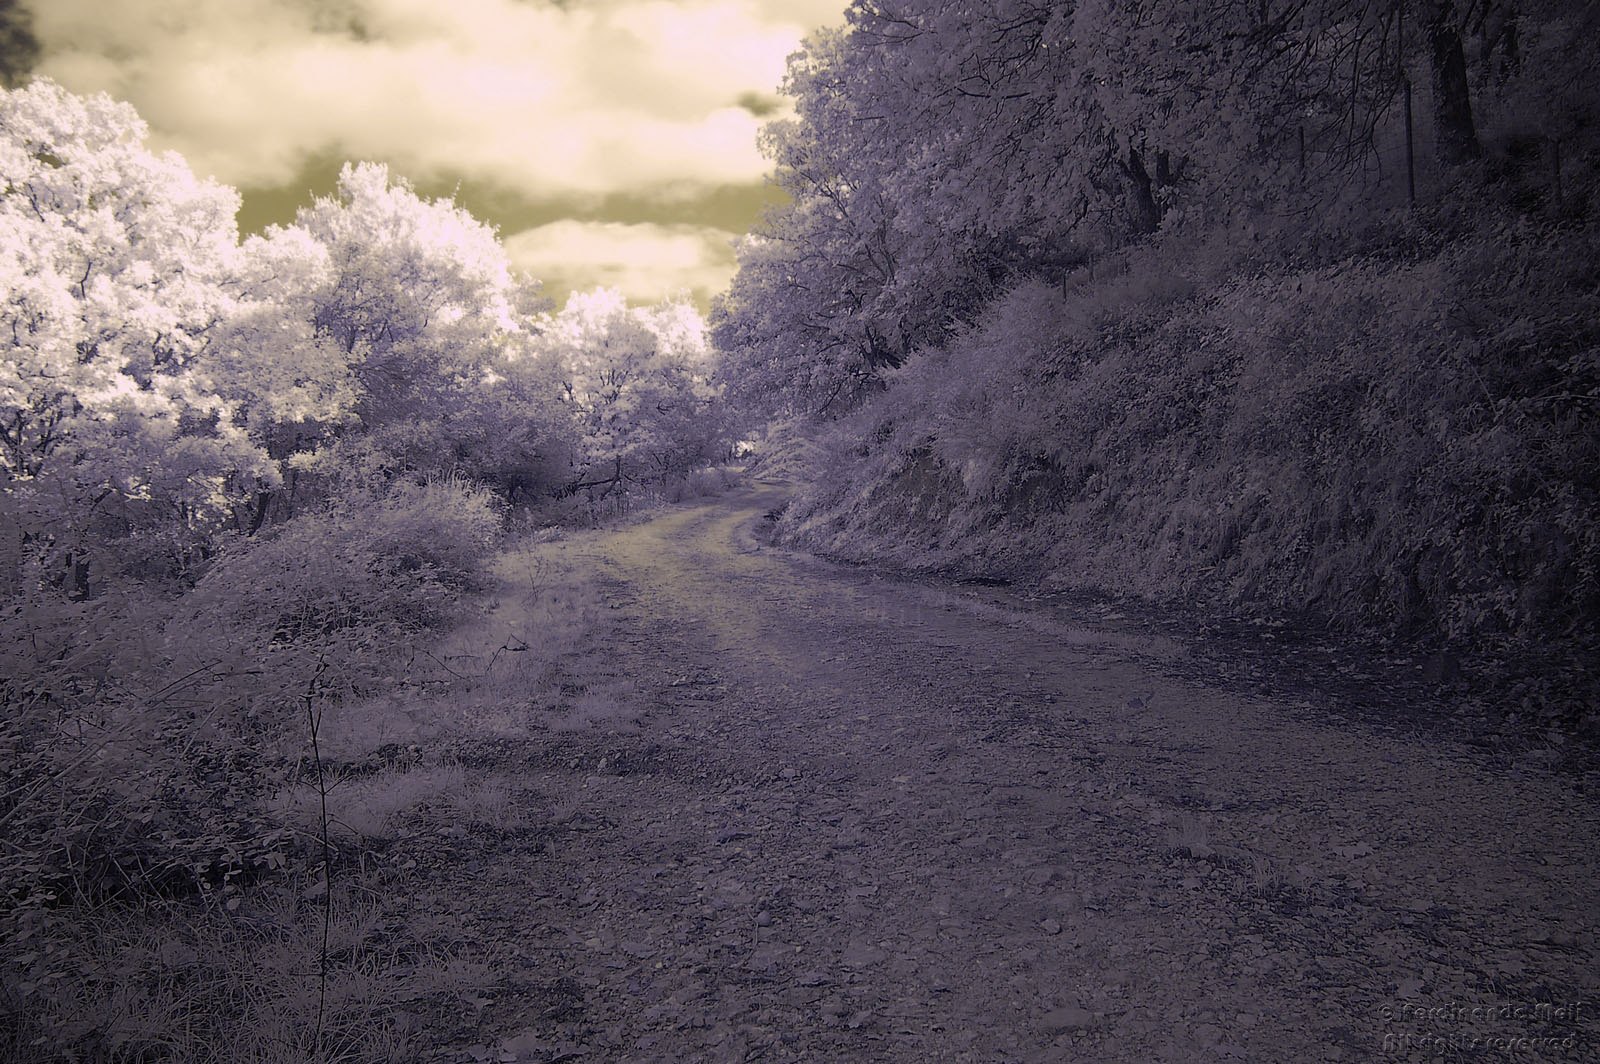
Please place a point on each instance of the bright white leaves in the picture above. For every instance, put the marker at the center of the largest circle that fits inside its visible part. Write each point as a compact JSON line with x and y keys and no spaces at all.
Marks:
{"x":269,"y":357}
{"x":636,"y":381}
{"x":117,"y":268}
{"x":418,"y":304}
{"x":101,"y":303}
{"x":165,"y":383}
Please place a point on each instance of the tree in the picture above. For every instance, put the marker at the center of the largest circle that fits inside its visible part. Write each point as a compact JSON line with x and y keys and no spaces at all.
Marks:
{"x":1455,"y":134}
{"x":843,"y":283}
{"x":19,"y":48}
{"x":414,"y":305}
{"x":119,"y":268}
{"x":942,"y":152}
{"x":634,"y":380}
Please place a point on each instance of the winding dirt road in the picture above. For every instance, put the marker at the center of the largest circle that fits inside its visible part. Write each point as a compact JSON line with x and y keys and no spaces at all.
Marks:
{"x":862,"y":818}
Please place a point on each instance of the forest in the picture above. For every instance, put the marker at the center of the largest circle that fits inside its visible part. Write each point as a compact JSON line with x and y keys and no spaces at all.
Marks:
{"x":1286,"y":311}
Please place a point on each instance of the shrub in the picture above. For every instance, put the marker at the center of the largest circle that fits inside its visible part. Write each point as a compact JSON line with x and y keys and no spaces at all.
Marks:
{"x":445,"y":527}
{"x":138,"y":764}
{"x":134,"y":760}
{"x":327,"y":602}
{"x":1399,"y":440}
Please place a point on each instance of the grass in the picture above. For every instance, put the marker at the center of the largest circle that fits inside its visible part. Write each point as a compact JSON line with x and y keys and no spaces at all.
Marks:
{"x":1189,"y":837}
{"x":232,"y":972}
{"x":233,"y":975}
{"x":1261,"y":874}
{"x":370,"y":809}
{"x":177,"y":982}
{"x":497,"y":675}
{"x":702,"y":484}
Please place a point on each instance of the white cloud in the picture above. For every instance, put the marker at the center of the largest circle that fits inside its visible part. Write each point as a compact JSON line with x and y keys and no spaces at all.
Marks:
{"x":645,"y":262}
{"x":597,"y":97}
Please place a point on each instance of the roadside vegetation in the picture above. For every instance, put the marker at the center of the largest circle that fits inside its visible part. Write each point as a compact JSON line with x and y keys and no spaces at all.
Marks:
{"x":1284,"y":311}
{"x":248,"y":488}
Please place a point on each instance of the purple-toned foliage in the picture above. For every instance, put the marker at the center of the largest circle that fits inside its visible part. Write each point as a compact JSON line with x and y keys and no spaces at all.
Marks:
{"x":1135,"y":296}
{"x":240,"y":479}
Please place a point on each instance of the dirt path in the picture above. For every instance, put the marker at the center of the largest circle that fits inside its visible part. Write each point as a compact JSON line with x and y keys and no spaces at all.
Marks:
{"x":858,"y":818}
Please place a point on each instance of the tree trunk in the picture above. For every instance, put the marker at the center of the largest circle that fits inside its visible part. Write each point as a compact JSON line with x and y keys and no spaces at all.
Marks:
{"x":1405,"y":87}
{"x":77,"y":573}
{"x":1498,"y":44}
{"x":259,"y":516}
{"x":1411,"y":154}
{"x":1456,"y":138}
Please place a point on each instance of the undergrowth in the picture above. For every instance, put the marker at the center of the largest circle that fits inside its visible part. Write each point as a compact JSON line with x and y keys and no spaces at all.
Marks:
{"x":164,"y":878}
{"x":1399,"y":438}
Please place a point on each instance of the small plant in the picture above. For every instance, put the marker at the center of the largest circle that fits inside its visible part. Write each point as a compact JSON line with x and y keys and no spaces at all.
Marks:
{"x":1189,"y":837}
{"x":170,"y":982}
{"x":1270,"y":877}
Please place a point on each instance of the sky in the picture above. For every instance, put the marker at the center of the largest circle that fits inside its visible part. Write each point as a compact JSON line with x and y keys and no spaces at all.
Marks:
{"x":611,"y":141}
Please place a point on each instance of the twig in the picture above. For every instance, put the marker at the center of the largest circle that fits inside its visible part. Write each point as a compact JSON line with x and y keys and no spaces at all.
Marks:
{"x":447,"y":668}
{"x":313,"y":720}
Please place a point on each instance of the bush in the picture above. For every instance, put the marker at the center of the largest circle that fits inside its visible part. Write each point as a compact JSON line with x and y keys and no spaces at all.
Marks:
{"x":447,"y":528}
{"x":701,"y":484}
{"x":1398,"y":441}
{"x":134,"y":760}
{"x":327,"y":602}
{"x":144,"y":737}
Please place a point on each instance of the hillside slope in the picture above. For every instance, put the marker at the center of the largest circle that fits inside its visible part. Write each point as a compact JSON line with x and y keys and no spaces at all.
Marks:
{"x":1404,"y":440}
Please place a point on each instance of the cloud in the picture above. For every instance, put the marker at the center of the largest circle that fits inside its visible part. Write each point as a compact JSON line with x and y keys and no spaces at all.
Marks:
{"x":647,"y":262}
{"x":587,"y":98}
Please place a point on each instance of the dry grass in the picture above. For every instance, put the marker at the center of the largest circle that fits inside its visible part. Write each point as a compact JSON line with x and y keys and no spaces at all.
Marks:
{"x":1270,"y":876}
{"x":498,"y":675}
{"x":1189,"y":837}
{"x":525,"y":663}
{"x":193,"y":980}
{"x":702,"y":484}
{"x":170,"y":983}
{"x":596,"y":709}
{"x":374,"y":808}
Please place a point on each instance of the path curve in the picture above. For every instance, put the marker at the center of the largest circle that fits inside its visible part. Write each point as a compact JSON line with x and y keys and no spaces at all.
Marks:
{"x":861,"y":818}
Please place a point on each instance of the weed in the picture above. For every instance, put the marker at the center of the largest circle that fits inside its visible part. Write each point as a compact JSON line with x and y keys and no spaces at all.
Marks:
{"x":178,"y":982}
{"x":1189,"y":837}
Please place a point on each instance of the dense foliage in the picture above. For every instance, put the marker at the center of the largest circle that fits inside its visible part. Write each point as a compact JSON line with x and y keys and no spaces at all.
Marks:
{"x":242,"y":479}
{"x":1282,"y":307}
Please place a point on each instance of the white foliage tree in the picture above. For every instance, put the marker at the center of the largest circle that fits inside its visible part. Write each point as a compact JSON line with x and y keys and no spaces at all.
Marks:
{"x":118,"y":267}
{"x":418,"y":335}
{"x":635,"y":380}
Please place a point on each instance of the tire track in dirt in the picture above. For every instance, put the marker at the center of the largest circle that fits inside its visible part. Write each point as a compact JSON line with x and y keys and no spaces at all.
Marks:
{"x":865,"y":819}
